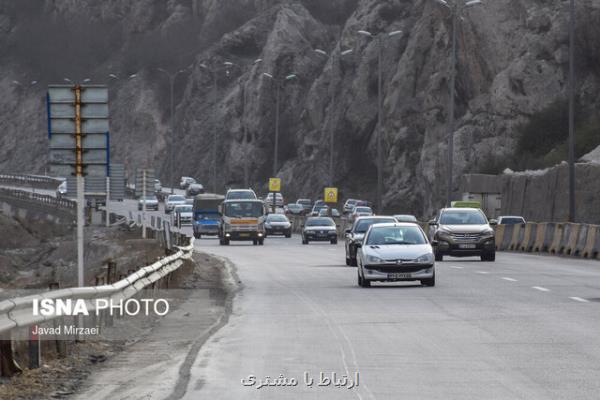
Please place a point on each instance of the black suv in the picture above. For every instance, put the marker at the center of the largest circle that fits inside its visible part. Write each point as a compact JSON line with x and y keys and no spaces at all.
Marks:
{"x":463,"y":232}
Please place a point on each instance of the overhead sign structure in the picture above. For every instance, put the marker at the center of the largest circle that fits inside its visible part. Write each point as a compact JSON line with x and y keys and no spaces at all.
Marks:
{"x":274,"y":184}
{"x":331,"y":195}
{"x":79,"y":143}
{"x":78,"y":130}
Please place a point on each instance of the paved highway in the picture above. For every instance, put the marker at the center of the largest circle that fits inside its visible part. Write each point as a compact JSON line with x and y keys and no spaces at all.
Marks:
{"x":524,"y":327}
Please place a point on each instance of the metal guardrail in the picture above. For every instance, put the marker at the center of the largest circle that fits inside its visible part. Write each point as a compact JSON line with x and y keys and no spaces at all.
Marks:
{"x":28,"y":180}
{"x":18,"y":312}
{"x":41,"y":198}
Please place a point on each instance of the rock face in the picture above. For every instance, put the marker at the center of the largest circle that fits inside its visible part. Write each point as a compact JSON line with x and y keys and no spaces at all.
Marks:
{"x":512,"y":62}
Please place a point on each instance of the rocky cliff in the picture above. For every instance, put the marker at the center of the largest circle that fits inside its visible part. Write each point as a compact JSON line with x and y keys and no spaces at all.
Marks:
{"x":512,"y":62}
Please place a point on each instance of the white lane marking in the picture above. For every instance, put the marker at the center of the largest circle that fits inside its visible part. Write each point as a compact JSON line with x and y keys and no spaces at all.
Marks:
{"x":541,"y":289}
{"x":455,"y":267}
{"x":506,"y":278}
{"x":579,"y":299}
{"x":481,"y":272}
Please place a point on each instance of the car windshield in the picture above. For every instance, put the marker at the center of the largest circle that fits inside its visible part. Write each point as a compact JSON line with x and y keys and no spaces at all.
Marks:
{"x":363,"y":225}
{"x":243,"y":209}
{"x":184,"y":209}
{"x":391,"y":235}
{"x":294,"y":206}
{"x":241,"y":195}
{"x":351,"y":202}
{"x":362,"y":209}
{"x":150,"y":198}
{"x":466,"y":217}
{"x":303,"y":201}
{"x":176,"y":198}
{"x":276,"y":218}
{"x":320,"y":222}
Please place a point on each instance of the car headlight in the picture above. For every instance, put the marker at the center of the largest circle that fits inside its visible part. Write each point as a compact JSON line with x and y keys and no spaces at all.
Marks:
{"x":374,"y":260}
{"x":425,"y":259}
{"x":487,"y":234}
{"x":443,"y":235}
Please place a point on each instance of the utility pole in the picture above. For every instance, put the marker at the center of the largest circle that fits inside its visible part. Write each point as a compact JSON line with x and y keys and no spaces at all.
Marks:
{"x":144,"y":204}
{"x":572,"y":215}
{"x":172,"y":77}
{"x":451,"y":111}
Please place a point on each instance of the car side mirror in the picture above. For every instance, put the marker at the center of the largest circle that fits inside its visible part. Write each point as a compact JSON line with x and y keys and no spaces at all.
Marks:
{"x":433,"y":223}
{"x":434,"y":243}
{"x":348,"y":231}
{"x":493,"y":222}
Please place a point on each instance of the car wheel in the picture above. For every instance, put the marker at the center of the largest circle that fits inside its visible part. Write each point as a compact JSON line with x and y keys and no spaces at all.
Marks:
{"x":428,"y":281}
{"x":334,"y":241}
{"x":255,"y":242}
{"x":360,"y":283}
{"x":488,"y":256}
{"x":348,"y":262}
{"x":197,"y":235}
{"x":261,"y":242}
{"x":439,"y":256}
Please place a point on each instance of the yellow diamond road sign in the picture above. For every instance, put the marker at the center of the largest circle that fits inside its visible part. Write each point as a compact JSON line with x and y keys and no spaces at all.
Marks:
{"x":331,"y":195}
{"x":274,"y":184}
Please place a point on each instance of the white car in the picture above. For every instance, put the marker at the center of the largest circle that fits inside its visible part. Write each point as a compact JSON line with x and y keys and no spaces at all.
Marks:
{"x":361,"y":211}
{"x":395,"y":252}
{"x":182,"y":215}
{"x":172,"y":201}
{"x":240,"y":194}
{"x":151,"y":203}
{"x":186,"y":181}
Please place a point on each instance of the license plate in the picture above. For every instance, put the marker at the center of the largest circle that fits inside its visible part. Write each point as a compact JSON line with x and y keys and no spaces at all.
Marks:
{"x":399,"y":276}
{"x":467,"y":246}
{"x":244,"y":234}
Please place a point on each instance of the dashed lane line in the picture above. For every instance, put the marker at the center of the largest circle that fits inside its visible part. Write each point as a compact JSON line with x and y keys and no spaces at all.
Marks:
{"x":541,"y":289}
{"x":506,"y":278}
{"x":482,"y":272}
{"x":455,"y":267}
{"x":579,"y":299}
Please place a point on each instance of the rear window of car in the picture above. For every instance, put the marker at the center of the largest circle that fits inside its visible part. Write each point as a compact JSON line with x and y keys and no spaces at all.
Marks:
{"x":176,"y":198}
{"x":390,"y":235}
{"x":183,"y":209}
{"x":241,"y":195}
{"x":362,"y":209}
{"x":363,"y":225}
{"x":320,"y":222}
{"x":512,"y":221}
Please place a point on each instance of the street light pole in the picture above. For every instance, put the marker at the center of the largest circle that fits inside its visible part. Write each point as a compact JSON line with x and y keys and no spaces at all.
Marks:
{"x":451,"y":111}
{"x":278,"y":86}
{"x":380,"y":121}
{"x":335,"y":59}
{"x":172,"y":77}
{"x":572,"y":112}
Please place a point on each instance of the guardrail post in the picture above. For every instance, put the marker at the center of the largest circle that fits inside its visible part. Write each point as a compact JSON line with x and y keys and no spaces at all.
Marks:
{"x":8,"y":365}
{"x":35,"y":351}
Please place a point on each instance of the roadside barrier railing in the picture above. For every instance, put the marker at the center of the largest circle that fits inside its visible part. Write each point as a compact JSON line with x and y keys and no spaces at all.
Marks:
{"x":40,"y":198}
{"x":40,"y":181}
{"x":17,"y":314}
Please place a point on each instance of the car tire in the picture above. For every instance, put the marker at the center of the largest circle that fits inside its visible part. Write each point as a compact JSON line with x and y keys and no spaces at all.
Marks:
{"x":428,"y":281}
{"x":261,"y":242}
{"x":488,"y":256}
{"x":334,"y":241}
{"x":255,"y":242}
{"x":364,"y":282}
{"x":359,"y":279}
{"x":197,"y":235}
{"x":439,"y":256}
{"x":304,"y":241}
{"x":348,"y":262}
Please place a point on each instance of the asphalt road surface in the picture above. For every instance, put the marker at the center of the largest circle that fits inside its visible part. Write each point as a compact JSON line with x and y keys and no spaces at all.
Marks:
{"x":524,"y":327}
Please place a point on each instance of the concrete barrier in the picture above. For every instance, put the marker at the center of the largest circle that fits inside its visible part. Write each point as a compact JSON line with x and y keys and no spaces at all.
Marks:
{"x":543,"y":237}
{"x":507,"y":238}
{"x":557,"y":240}
{"x":499,"y":235}
{"x":517,"y":237}
{"x":529,"y":237}
{"x":592,"y":243}
{"x":571,"y":236}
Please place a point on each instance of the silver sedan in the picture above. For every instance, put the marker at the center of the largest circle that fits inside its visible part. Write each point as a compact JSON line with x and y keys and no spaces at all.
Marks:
{"x":395,"y":252}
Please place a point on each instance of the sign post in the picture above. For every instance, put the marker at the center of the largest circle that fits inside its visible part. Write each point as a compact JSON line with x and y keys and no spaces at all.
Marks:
{"x":77,"y":131}
{"x":274,"y":188}
{"x":330,"y":197}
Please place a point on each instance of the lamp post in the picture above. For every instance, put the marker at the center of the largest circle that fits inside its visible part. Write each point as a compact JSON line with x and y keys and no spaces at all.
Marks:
{"x":379,"y":38}
{"x":244,"y":121}
{"x":336,"y":57}
{"x":279,"y":82}
{"x":456,"y":9}
{"x":572,"y":111}
{"x":172,"y":76}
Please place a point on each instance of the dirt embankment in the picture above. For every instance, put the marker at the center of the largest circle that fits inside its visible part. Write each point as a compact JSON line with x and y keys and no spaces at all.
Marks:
{"x":63,"y":378}
{"x":35,"y":254}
